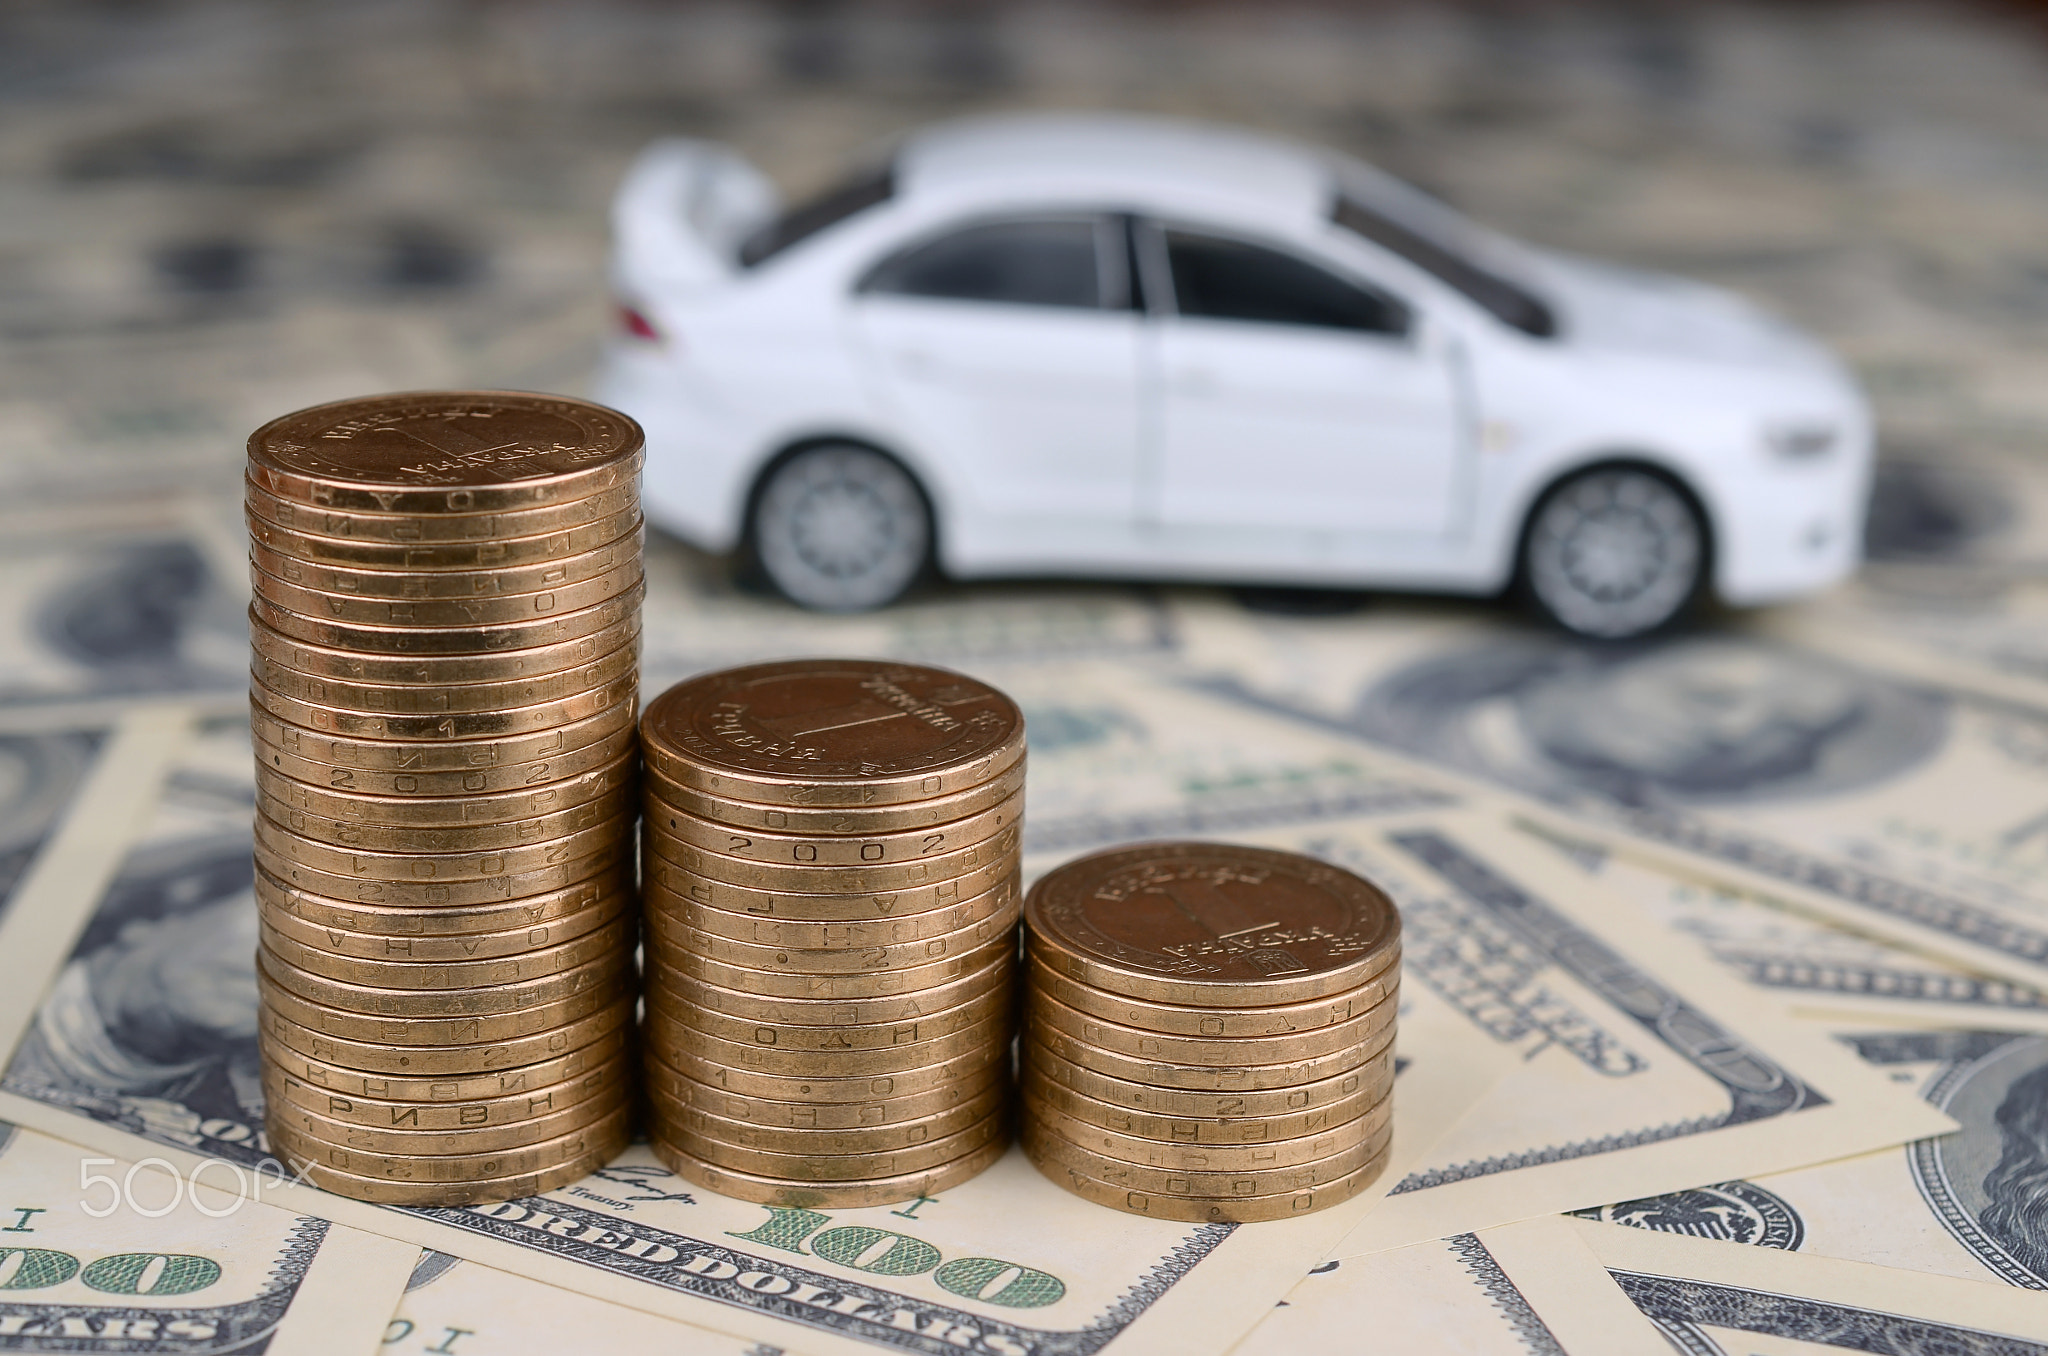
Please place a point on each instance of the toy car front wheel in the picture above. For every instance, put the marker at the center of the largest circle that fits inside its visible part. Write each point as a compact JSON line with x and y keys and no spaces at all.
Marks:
{"x":841,"y":528}
{"x":1614,"y":552}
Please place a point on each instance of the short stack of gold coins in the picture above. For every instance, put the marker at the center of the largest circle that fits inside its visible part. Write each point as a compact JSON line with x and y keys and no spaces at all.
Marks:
{"x":446,"y":632}
{"x":830,"y":868}
{"x":1209,"y":1031}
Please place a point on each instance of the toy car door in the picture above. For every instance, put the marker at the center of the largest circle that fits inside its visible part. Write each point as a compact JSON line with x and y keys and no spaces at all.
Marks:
{"x":1006,"y":347}
{"x":1296,"y":400}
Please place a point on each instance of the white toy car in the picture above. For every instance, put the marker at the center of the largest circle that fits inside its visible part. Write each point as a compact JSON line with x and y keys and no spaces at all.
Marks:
{"x":1114,"y":346}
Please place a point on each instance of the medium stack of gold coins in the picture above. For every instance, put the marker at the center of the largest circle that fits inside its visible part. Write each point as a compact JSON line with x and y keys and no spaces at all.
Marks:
{"x":446,"y":632}
{"x":1209,"y":1031}
{"x":831,"y":878}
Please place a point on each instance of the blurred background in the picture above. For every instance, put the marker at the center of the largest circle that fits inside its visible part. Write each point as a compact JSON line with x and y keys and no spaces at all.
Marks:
{"x":214,"y":212}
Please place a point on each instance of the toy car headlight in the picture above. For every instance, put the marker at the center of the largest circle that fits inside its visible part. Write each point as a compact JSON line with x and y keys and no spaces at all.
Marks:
{"x":1801,"y":441}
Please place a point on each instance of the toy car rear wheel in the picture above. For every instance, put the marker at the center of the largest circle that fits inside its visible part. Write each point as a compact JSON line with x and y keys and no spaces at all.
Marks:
{"x":1614,"y":552}
{"x":841,"y":528}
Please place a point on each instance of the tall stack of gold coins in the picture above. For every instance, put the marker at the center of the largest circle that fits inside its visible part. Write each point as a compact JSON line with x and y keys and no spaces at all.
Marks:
{"x":446,"y":676}
{"x":1209,"y":1031}
{"x":831,"y":879}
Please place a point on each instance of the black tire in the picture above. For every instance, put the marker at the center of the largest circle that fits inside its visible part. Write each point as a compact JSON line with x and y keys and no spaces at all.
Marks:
{"x":838,"y":527}
{"x":1614,"y":552}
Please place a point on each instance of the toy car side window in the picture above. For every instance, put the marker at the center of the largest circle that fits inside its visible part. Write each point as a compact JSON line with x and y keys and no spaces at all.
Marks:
{"x":1040,"y":261}
{"x":1219,"y":278}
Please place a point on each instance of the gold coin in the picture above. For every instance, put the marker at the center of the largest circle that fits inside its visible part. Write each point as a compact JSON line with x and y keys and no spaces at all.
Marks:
{"x":1212,"y":925}
{"x":665,"y":877}
{"x":1234,"y":1023}
{"x":837,"y":821}
{"x":602,"y":1052}
{"x":1211,"y":1158}
{"x":454,"y":811}
{"x":614,"y":809}
{"x":418,"y":868}
{"x":846,"y":1012}
{"x":410,"y":528}
{"x":832,"y":733}
{"x":1227,"y":1053}
{"x":859,"y":1090}
{"x":419,"y":758}
{"x":691,"y":968}
{"x":446,"y":452}
{"x":745,"y":1186}
{"x":420,"y":1033}
{"x":813,"y":1167}
{"x":1242,"y":1210}
{"x":680,"y":1090}
{"x":531,"y":577}
{"x":432,"y":948}
{"x":442,"y":670}
{"x":438,"y":557}
{"x":441,"y":613}
{"x":1199,"y":1077}
{"x":685,"y":1124}
{"x":574,"y":906}
{"x":614,"y":938}
{"x":667,"y":1036}
{"x":599,"y":975}
{"x":852,"y":880}
{"x":280,"y":1084}
{"x":375,"y":1058}
{"x":1036,"y":1087}
{"x":451,"y":640}
{"x":831,"y":1040}
{"x":476,"y":1192}
{"x":450,"y":725}
{"x":412,"y":699}
{"x":457,"y":1167}
{"x":1041,"y":1144}
{"x":668,"y":936}
{"x":482,"y":781}
{"x":908,"y":845}
{"x":774,"y":932}
{"x":1148,"y":1105}
{"x":509,"y":888}
{"x":311,"y":1127}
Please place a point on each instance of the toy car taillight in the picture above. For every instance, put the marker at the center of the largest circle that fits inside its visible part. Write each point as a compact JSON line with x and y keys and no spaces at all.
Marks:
{"x":637,"y":325}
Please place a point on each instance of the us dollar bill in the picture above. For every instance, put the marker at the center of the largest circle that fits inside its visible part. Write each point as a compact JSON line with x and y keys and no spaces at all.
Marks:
{"x":457,"y":1308}
{"x":144,"y":1043}
{"x":1901,"y":806}
{"x":1964,"y":1204}
{"x":1528,"y":1289}
{"x":1812,"y":963}
{"x":1708,"y":1298}
{"x":99,"y":1253}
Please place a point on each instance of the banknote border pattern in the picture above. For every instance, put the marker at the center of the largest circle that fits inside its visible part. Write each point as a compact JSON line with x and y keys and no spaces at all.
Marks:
{"x":577,"y":1244}
{"x":1505,"y":1296}
{"x":1544,"y":929}
{"x":1680,"y":1307}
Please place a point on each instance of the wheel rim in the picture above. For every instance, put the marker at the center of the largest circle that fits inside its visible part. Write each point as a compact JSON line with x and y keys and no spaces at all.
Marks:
{"x":1615,"y":553}
{"x":841,"y":529}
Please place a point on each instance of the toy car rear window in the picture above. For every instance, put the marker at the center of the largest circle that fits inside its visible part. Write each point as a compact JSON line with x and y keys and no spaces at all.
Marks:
{"x":1507,"y":301}
{"x":826,"y":210}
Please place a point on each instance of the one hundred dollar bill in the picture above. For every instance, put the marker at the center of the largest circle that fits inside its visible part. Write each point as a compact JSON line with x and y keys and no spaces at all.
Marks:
{"x":1523,"y":1289}
{"x":1706,"y":1296}
{"x":1900,"y":806}
{"x":104,"y":1254}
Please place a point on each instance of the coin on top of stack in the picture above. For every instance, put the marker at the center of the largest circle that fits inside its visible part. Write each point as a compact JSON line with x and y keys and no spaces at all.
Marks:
{"x":1209,"y":1031}
{"x":830,"y":873}
{"x":445,"y":680}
